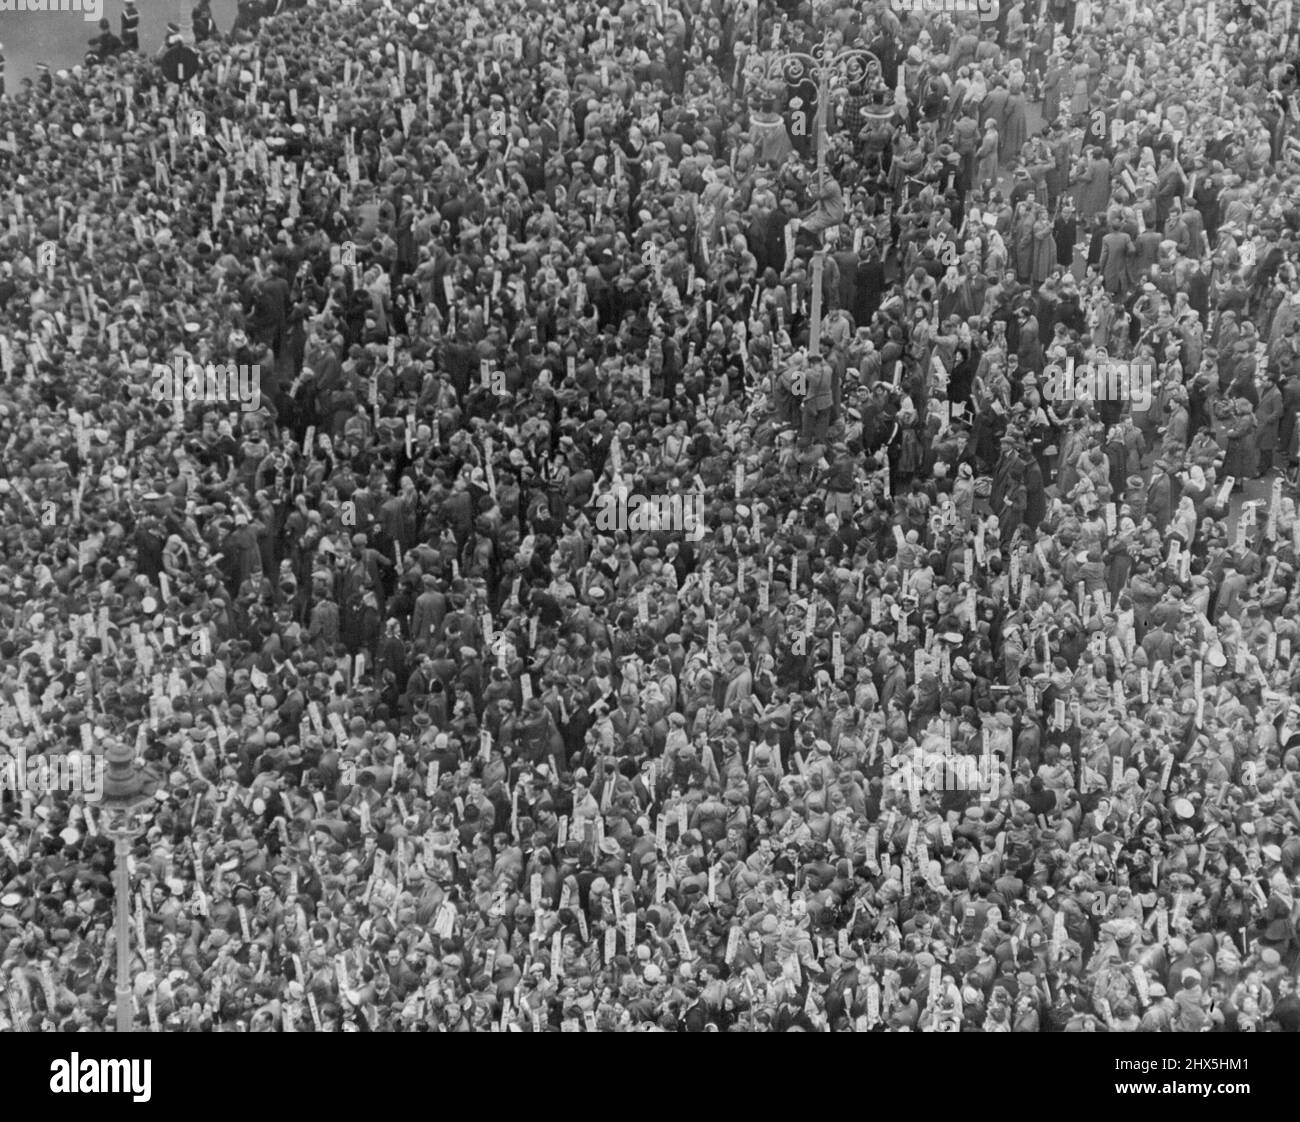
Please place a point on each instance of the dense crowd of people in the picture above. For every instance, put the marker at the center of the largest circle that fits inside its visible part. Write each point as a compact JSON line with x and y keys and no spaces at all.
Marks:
{"x":969,"y":709}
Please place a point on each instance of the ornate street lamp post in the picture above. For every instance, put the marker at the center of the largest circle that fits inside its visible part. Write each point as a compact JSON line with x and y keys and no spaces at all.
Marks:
{"x":128,"y":784}
{"x":823,"y":67}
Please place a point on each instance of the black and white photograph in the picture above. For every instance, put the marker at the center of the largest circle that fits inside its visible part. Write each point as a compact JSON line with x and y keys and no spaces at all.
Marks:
{"x":711,"y":516}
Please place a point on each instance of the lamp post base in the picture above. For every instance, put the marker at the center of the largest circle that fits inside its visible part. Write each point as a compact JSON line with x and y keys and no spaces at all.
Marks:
{"x":125,"y":1014}
{"x":122,"y":833}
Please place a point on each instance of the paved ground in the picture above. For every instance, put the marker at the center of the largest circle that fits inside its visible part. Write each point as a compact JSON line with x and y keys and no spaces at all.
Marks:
{"x":61,"y":38}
